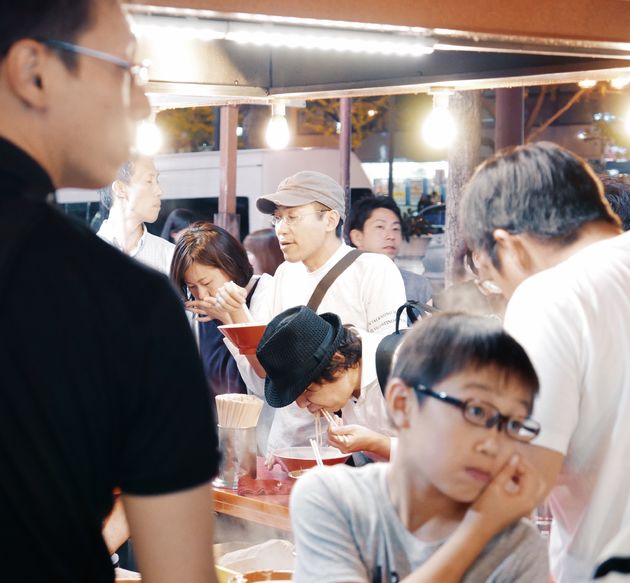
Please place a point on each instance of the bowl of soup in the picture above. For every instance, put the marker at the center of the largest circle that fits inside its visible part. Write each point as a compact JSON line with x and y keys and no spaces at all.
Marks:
{"x":301,"y":458}
{"x":245,"y":336}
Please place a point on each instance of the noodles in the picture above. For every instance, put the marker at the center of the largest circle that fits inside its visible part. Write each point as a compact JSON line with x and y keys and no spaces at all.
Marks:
{"x":319,"y":438}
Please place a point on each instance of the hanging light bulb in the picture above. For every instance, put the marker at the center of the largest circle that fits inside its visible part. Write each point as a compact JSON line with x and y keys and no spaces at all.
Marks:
{"x":277,"y":134}
{"x":148,"y":138}
{"x":439,"y":128}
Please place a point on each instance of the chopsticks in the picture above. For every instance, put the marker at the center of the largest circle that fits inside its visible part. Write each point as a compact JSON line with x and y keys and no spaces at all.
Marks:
{"x":318,"y":455}
{"x":332,"y":419}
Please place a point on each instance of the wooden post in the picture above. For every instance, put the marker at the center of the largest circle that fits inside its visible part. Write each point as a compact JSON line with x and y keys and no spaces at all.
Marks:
{"x":345,"y":147}
{"x":508,"y":124}
{"x":465,"y":106}
{"x":227,"y":217}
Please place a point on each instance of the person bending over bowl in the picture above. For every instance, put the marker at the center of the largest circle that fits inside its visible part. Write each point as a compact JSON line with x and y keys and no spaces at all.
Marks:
{"x":313,"y":360}
{"x":447,"y":507}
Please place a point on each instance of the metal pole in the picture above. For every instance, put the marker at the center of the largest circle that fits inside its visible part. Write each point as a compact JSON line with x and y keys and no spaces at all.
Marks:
{"x":390,"y":146}
{"x":345,"y":147}
{"x":227,"y":217}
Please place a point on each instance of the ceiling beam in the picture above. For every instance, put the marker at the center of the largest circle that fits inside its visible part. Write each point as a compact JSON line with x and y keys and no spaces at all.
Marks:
{"x":598,"y":21}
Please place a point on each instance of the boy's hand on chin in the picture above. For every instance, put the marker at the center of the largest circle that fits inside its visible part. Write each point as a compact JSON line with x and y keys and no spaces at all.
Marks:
{"x":512,"y":494}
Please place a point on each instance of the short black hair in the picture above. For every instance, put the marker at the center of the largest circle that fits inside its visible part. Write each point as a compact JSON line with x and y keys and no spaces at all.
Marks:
{"x":348,"y":355}
{"x":450,"y":342}
{"x":539,"y":189}
{"x":44,"y":19}
{"x":362,"y":210}
{"x":177,"y":220}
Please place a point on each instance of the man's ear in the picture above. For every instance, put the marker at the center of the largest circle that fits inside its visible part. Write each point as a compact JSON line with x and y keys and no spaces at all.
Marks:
{"x":119,"y":190}
{"x":332,"y":219}
{"x":356,"y":237}
{"x":513,"y":249}
{"x":26,"y":68}
{"x":398,"y":395}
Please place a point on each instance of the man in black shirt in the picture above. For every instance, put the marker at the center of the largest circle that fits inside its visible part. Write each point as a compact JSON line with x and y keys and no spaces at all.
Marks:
{"x":83,"y":329}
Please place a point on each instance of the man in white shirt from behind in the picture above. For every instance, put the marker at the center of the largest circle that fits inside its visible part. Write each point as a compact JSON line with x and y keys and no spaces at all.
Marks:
{"x":308,"y":211}
{"x":134,"y":199}
{"x":542,"y":231}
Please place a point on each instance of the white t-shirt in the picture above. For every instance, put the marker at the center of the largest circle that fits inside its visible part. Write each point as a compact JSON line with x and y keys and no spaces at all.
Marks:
{"x":150,"y":250}
{"x":370,"y":408}
{"x":574,"y":322}
{"x":367,"y":295}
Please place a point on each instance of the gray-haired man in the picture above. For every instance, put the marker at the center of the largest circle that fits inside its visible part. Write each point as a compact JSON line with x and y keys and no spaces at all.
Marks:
{"x":542,"y":231}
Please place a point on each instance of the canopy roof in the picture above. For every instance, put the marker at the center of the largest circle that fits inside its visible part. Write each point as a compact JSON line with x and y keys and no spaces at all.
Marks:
{"x":198,"y":55}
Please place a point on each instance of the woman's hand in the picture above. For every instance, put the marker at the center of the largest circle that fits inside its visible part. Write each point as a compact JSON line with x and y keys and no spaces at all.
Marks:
{"x":354,"y":438}
{"x":512,"y":494}
{"x":206,"y":309}
{"x":231,"y":298}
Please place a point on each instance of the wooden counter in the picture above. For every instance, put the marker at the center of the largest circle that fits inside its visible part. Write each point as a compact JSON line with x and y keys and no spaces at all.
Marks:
{"x":269,"y":510}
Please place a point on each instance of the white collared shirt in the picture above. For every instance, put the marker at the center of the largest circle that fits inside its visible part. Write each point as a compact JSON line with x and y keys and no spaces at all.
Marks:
{"x":150,"y":250}
{"x":370,"y":408}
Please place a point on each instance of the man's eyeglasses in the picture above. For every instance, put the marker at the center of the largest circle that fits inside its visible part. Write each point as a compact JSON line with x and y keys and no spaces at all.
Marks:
{"x":139,"y":71}
{"x":486,"y":415}
{"x":293,"y":219}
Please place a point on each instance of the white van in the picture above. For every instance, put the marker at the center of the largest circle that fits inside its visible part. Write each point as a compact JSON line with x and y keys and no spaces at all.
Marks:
{"x":192,"y":180}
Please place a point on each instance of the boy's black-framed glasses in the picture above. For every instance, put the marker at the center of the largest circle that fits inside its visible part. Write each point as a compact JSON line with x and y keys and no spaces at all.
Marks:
{"x":486,"y":415}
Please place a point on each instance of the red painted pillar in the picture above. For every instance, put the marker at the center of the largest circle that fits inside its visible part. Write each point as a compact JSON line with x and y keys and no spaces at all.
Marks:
{"x":508,"y":128}
{"x":227,"y":217}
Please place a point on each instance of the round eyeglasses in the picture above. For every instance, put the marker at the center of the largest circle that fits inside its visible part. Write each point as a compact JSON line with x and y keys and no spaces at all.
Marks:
{"x":486,"y":415}
{"x":293,"y":219}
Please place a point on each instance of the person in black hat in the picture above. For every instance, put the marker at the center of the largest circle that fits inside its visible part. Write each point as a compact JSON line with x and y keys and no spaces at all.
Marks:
{"x":320,"y":364}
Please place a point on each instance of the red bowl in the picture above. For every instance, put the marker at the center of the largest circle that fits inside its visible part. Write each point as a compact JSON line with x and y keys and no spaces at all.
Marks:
{"x":245,"y":336}
{"x":301,"y":458}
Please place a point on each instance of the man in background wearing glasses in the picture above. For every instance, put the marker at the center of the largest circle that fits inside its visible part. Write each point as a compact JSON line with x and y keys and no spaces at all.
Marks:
{"x":69,"y":103}
{"x":536,"y":218}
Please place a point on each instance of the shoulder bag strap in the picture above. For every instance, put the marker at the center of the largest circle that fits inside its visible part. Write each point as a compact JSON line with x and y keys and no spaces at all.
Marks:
{"x":322,"y":287}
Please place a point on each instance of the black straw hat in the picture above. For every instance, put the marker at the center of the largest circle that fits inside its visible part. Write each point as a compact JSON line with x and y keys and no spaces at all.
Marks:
{"x":296,"y":347}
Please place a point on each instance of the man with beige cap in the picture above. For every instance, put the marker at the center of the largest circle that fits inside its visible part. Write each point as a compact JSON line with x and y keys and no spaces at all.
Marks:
{"x":308,"y":211}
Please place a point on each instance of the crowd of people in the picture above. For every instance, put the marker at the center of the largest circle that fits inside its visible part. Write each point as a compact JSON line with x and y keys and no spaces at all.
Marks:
{"x":107,"y":418}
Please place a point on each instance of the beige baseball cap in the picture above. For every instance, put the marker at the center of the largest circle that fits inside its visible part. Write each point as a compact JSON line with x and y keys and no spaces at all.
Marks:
{"x":303,"y":188}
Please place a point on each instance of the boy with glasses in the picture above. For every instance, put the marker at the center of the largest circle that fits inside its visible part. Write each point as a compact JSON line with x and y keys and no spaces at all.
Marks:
{"x":447,"y":507}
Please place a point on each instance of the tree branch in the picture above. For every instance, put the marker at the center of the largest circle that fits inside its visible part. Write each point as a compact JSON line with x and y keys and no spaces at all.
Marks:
{"x":533,"y":116}
{"x":569,"y":104}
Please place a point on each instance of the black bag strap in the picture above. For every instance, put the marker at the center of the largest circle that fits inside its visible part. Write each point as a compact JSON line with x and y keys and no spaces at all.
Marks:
{"x":387,"y":346}
{"x":335,"y":271}
{"x":411,"y":307}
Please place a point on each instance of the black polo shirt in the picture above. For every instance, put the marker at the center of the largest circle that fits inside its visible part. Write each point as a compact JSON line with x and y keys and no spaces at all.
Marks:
{"x":100,"y":386}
